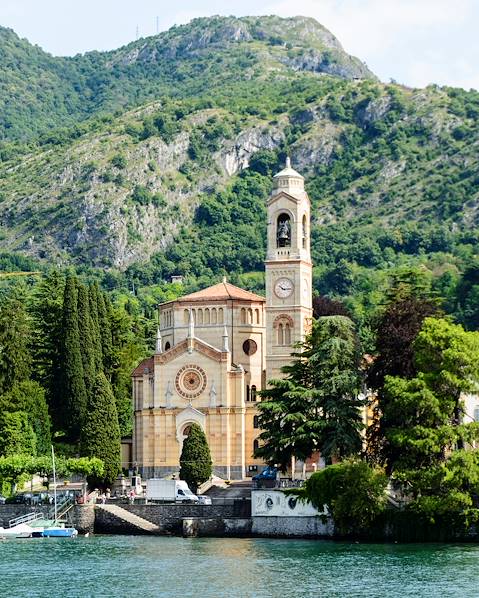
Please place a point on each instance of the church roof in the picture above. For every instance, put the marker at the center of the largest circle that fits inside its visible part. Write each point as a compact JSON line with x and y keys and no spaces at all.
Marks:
{"x":221,"y":291}
{"x":145,"y":367}
{"x":288,"y":171}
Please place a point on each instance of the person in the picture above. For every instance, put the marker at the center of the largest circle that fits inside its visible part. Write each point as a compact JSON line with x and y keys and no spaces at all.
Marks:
{"x":108,"y":493}
{"x":132,"y":496}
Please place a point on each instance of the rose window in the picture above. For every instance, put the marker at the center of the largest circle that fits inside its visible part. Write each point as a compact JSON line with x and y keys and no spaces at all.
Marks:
{"x":190,"y":381}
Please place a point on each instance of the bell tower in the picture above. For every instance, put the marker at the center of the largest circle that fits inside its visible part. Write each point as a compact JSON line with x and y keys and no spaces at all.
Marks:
{"x":288,"y":269}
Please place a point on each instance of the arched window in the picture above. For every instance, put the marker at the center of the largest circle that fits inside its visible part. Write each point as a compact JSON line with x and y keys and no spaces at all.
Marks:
{"x":200,"y":316}
{"x":214,"y":316}
{"x":243,"y":315}
{"x":256,"y":312}
{"x":167,"y":346}
{"x":207,"y":316}
{"x":186,"y":316}
{"x":283,"y":231}
{"x":305,"y":232}
{"x":247,"y":392}
{"x":287,"y":334}
{"x":220,"y":315}
{"x":283,"y":324}
{"x":255,"y":445}
{"x":253,"y":392}
{"x":250,"y":316}
{"x":256,"y":422}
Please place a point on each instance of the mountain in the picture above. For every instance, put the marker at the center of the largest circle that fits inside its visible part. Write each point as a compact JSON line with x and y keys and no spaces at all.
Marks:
{"x":177,"y":184}
{"x":39,"y":91}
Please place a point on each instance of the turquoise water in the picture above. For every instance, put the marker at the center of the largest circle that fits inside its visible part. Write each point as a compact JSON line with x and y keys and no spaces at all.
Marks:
{"x":144,"y":567}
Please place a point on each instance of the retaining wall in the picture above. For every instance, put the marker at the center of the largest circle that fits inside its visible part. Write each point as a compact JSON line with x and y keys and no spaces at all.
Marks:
{"x":169,"y":518}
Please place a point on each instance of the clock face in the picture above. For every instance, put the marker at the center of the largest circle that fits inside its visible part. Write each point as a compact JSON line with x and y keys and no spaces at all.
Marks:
{"x":283,"y":288}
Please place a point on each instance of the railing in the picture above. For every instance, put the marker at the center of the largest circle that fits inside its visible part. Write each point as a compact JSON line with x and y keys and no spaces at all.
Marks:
{"x":24,"y":519}
{"x":277,"y":484}
{"x":62,"y":508}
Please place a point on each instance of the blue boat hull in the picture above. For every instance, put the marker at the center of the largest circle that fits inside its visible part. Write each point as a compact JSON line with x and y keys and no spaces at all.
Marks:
{"x":60,"y":532}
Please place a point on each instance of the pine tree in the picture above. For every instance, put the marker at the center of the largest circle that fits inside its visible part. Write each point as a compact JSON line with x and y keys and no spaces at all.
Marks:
{"x":72,"y":381}
{"x":86,"y":341}
{"x":316,"y":407}
{"x":101,"y":433}
{"x":195,"y":460}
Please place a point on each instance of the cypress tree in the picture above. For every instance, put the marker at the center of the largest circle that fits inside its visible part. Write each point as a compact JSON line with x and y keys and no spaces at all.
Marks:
{"x":47,"y":335}
{"x":72,"y":380}
{"x":95,"y":327}
{"x":86,"y":341}
{"x":15,"y":357}
{"x":101,"y":433}
{"x":105,"y":317}
{"x":195,"y":460}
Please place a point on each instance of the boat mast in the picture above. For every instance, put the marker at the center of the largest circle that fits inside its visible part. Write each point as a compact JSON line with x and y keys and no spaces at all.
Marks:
{"x":54,"y":484}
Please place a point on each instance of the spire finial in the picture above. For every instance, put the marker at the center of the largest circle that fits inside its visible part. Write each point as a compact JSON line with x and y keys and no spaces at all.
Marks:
{"x":288,"y":162}
{"x":159,"y":344}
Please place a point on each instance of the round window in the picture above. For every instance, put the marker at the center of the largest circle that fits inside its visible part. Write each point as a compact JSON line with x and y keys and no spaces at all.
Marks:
{"x":250,"y":347}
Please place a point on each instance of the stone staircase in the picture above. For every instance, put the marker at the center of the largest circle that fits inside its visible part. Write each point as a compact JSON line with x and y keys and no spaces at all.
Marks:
{"x":130,"y":518}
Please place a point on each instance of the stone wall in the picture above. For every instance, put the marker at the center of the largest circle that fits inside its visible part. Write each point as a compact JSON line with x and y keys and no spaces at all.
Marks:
{"x":8,"y":512}
{"x":169,"y":517}
{"x":290,"y":527}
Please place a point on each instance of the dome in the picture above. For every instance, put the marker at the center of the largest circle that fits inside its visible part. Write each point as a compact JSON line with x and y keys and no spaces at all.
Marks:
{"x":289,"y":181}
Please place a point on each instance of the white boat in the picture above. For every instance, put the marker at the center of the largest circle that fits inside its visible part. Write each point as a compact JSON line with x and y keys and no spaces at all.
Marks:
{"x":17,"y":531}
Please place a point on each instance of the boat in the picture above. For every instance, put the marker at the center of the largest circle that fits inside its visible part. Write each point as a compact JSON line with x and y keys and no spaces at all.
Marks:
{"x":59,"y":532}
{"x":17,"y":531}
{"x":55,"y":529}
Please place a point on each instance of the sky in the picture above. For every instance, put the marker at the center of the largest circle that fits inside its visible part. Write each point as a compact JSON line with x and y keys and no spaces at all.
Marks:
{"x":414,"y":42}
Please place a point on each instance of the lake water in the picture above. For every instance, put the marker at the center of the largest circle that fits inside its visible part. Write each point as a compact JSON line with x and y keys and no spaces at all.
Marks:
{"x":143,"y":567}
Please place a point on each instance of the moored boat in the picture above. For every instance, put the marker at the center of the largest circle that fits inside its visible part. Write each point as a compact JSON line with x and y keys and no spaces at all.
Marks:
{"x":59,"y":532}
{"x":17,"y":531}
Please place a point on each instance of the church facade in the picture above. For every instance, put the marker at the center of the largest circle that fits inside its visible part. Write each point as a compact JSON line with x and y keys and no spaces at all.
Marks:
{"x":218,"y":347}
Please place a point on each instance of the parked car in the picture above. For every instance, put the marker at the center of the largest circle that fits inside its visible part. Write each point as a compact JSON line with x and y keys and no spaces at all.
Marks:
{"x":269,"y":473}
{"x":204,"y":500}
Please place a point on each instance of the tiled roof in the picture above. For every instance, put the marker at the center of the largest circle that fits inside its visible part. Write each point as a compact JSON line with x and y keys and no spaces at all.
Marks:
{"x":146,"y":364}
{"x":221,"y":291}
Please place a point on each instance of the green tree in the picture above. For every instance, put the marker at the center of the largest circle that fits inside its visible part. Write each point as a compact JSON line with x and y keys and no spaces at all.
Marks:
{"x":101,"y":433}
{"x":72,"y":380}
{"x":195,"y":459}
{"x":16,"y":434}
{"x":93,"y":296}
{"x":409,"y":304}
{"x":316,"y":407}
{"x":427,"y":411}
{"x":85,"y":334}
{"x":29,"y":397}
{"x":46,"y":309}
{"x":353,"y":493}
{"x":15,"y":331}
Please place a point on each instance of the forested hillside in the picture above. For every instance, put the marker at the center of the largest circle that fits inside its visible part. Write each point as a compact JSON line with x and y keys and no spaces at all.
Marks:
{"x":131,"y":193}
{"x":39,"y":91}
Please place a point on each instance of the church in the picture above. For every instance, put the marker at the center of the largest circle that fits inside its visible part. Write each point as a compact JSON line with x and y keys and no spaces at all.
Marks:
{"x":216,"y":348}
